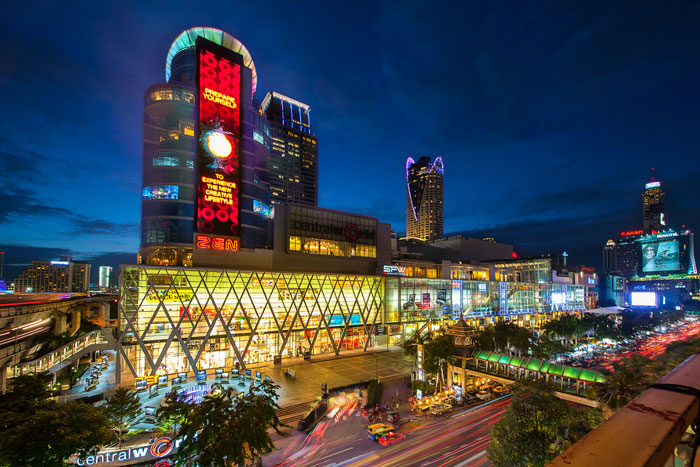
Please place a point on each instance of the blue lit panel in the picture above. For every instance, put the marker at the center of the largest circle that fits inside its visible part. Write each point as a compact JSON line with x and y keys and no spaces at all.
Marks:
{"x":261,"y":208}
{"x":160,"y":192}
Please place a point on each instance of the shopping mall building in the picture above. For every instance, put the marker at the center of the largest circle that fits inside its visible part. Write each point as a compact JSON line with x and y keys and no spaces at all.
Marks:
{"x":225,"y":279}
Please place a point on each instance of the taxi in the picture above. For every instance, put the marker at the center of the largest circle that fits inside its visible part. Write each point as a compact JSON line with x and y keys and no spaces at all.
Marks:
{"x":378,"y":430}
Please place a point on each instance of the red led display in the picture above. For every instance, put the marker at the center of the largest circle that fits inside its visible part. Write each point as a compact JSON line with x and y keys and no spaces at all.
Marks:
{"x":219,"y":143}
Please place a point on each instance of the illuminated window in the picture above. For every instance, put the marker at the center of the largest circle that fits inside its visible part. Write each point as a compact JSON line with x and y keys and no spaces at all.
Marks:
{"x":187,"y":128}
{"x":160,"y":192}
{"x":294,"y":243}
{"x":165,"y":159}
{"x":189,"y":164}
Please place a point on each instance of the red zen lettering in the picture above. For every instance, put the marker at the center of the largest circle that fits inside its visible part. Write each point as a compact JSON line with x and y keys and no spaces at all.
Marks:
{"x":217,"y":243}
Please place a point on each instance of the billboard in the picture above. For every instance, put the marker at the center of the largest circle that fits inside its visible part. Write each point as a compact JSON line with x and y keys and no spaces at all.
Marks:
{"x":660,"y":256}
{"x":643,"y":298}
{"x":218,"y":81}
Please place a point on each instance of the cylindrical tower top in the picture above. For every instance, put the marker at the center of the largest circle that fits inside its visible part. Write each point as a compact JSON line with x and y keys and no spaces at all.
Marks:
{"x":188,"y":37}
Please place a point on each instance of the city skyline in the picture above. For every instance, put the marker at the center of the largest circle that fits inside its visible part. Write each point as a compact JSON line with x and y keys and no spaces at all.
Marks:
{"x":576,"y":202}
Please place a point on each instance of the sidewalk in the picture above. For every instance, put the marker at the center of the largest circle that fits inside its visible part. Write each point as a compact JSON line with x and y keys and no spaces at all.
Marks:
{"x":335,"y":371}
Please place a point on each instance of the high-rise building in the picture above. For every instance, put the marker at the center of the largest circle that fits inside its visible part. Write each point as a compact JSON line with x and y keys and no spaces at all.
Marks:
{"x":105,"y":277}
{"x":610,"y":257}
{"x":653,"y":208}
{"x":54,"y":276}
{"x":294,"y":151}
{"x":424,"y":207}
{"x":170,"y":163}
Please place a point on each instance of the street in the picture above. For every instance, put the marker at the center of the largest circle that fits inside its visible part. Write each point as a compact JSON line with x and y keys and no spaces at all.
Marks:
{"x":458,"y":438}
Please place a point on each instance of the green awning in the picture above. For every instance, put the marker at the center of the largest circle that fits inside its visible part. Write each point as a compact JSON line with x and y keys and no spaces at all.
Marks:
{"x":535,"y":364}
{"x":515,"y":361}
{"x":587,"y":375}
{"x":544,"y":367}
{"x":571,"y":372}
{"x":483,"y":355}
{"x":600,"y":378}
{"x":555,"y":369}
{"x":504,"y":359}
{"x":493,"y":357}
{"x":525,"y":362}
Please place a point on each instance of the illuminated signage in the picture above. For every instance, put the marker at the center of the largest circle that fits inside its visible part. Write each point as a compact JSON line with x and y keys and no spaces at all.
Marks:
{"x":653,"y":185}
{"x":481,"y":287}
{"x":261,"y":208}
{"x":171,"y":295}
{"x":643,"y":298}
{"x":60,"y":263}
{"x":161,"y":447}
{"x":390,"y":270}
{"x":667,"y":235}
{"x":218,"y":83}
{"x":206,"y":242}
{"x":662,"y":219}
{"x":631,"y":233}
{"x":660,"y":256}
{"x":591,"y":281}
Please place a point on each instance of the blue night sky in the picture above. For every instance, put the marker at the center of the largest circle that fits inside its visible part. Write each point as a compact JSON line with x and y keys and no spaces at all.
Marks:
{"x":548,"y":115}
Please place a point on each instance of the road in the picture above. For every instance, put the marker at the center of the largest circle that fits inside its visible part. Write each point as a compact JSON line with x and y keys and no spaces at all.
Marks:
{"x":458,"y":438}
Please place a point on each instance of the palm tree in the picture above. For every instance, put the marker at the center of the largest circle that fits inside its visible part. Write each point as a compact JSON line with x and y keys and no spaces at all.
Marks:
{"x":623,"y":384}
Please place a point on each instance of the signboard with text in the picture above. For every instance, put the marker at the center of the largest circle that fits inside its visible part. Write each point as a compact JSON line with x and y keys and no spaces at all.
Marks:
{"x":218,"y":81}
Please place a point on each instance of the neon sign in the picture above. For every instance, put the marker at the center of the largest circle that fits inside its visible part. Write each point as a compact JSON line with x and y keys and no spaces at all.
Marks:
{"x":206,"y":242}
{"x":390,"y":270}
{"x":161,"y":447}
{"x":653,"y":185}
{"x":218,"y":82}
{"x":630,"y":233}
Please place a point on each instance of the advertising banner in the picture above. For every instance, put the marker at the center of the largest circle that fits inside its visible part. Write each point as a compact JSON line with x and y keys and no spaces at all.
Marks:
{"x":660,"y":257}
{"x":218,"y":81}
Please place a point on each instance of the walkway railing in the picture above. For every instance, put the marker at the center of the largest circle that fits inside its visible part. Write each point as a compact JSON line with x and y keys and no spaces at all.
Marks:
{"x":648,"y":430}
{"x":56,"y":358}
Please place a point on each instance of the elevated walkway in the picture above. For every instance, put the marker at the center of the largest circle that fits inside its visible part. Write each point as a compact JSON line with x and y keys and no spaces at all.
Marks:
{"x":62,"y":357}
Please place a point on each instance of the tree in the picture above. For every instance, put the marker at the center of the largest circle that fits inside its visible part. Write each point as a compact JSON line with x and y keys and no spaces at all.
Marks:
{"x":228,"y":428}
{"x":624,"y":383}
{"x":123,"y":408}
{"x":537,"y":427}
{"x":37,"y":431}
{"x":437,"y":354}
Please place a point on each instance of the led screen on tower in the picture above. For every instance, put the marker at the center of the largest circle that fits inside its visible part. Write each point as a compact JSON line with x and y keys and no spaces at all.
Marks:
{"x":218,"y":81}
{"x":660,"y":257}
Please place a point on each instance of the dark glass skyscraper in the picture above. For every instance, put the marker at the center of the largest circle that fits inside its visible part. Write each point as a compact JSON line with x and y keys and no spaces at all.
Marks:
{"x":653,"y":208}
{"x":293,"y":152}
{"x":169,"y":166}
{"x":424,"y":208}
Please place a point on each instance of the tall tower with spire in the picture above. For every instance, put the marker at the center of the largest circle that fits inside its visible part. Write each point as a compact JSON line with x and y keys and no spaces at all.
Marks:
{"x":653,"y":206}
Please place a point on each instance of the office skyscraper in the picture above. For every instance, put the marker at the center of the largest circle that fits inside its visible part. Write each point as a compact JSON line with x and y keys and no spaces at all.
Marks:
{"x":424,"y":207}
{"x":294,"y":151}
{"x":653,"y":208}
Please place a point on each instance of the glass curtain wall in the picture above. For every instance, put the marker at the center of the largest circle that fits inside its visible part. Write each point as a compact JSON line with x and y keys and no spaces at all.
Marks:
{"x":174,"y":319}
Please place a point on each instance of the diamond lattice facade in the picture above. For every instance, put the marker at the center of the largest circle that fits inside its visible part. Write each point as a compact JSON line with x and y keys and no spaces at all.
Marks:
{"x":181,"y":319}
{"x":184,"y":319}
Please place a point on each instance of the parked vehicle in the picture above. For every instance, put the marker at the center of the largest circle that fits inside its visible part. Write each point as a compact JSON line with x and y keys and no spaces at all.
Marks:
{"x":391,"y":438}
{"x":483,"y":395}
{"x":500,"y":389}
{"x":439,"y":409}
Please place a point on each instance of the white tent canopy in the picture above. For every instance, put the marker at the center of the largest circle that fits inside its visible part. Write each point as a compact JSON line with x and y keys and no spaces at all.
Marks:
{"x":611,"y":310}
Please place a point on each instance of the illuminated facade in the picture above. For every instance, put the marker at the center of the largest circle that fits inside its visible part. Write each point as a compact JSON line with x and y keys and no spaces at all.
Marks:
{"x":171,"y":164}
{"x":424,"y":207}
{"x":105,"y":277}
{"x":293,"y":151}
{"x":54,"y":276}
{"x":180,"y":319}
{"x":653,"y":207}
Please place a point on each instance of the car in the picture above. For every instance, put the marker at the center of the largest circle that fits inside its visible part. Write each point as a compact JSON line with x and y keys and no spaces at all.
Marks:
{"x":378,"y":430}
{"x":439,"y":409}
{"x":500,"y":389}
{"x":391,"y":438}
{"x":483,"y":395}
